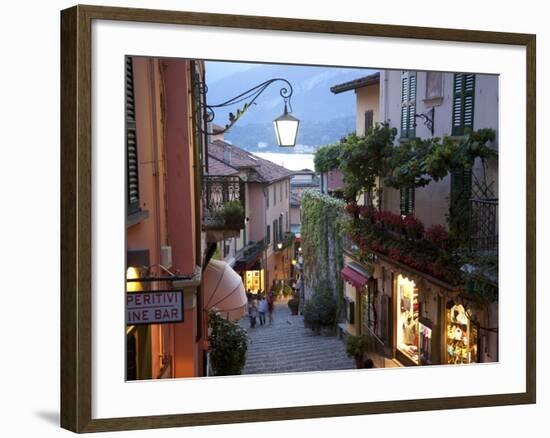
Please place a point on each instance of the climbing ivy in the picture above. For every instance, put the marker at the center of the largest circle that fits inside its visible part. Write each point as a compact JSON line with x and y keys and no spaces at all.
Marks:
{"x":327,"y":157}
{"x":321,"y":233}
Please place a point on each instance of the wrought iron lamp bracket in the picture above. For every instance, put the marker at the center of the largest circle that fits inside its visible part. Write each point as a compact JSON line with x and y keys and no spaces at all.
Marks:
{"x":428,"y":119}
{"x":249,"y":98}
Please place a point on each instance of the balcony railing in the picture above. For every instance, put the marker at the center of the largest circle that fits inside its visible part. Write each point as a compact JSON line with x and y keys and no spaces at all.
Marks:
{"x":484,"y":226}
{"x":223,"y":200}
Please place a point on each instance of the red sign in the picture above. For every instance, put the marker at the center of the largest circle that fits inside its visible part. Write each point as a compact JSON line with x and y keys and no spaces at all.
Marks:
{"x":157,"y":307}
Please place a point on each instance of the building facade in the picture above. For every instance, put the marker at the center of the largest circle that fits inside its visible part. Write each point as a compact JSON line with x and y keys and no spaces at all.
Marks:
{"x":163,"y":213}
{"x":261,"y":251}
{"x":411,"y":316}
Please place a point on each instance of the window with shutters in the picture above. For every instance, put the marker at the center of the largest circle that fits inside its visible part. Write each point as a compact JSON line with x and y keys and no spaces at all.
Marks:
{"x":266,"y":195}
{"x":406,"y":200}
{"x":275,"y":228}
{"x":274,"y":194}
{"x":369,"y":120}
{"x":463,"y":103}
{"x":132,"y":182}
{"x":408,"y":104}
{"x":268,"y":234}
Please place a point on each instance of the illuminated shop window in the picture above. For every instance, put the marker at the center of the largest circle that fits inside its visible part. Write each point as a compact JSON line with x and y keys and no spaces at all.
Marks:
{"x":461,"y":337}
{"x":407,"y":318}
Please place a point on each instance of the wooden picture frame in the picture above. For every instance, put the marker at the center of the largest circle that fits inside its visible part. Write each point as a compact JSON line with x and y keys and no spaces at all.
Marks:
{"x":76,"y":226}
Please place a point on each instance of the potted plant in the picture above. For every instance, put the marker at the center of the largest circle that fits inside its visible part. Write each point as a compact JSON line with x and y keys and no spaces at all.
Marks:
{"x":293,"y":305}
{"x":356,"y":346}
{"x":227,"y":345}
{"x":232,"y":214}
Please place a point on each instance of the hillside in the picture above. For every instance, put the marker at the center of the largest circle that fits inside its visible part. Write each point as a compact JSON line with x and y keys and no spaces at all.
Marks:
{"x":325,"y":117}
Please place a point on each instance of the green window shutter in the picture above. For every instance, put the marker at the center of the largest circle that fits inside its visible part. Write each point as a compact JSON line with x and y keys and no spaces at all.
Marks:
{"x":132,"y":181}
{"x":369,"y":121}
{"x":463,"y":103}
{"x":406,"y":200}
{"x":408,"y":104}
{"x":268,"y":234}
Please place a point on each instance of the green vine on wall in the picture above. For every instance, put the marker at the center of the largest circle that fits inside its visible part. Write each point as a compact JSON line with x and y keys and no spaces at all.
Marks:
{"x":322,"y":222}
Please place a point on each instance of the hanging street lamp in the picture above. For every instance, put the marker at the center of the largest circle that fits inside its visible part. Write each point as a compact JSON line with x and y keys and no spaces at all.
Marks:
{"x":286,"y":129}
{"x":286,"y":125}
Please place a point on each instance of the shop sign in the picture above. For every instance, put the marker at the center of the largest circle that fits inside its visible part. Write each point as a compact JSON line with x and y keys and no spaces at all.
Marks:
{"x":154,"y":307}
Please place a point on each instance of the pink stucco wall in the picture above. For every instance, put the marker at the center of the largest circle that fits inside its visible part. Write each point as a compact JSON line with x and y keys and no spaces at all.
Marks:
{"x":256,"y":212}
{"x":179,"y":152}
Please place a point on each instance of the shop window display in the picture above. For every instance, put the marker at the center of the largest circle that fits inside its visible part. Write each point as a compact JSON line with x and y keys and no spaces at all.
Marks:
{"x":425,"y":330}
{"x":254,"y":281}
{"x":407,"y":318}
{"x":461,"y":337}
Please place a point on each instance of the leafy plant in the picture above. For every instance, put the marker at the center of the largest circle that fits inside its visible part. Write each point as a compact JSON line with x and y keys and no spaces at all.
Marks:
{"x":294,"y":304}
{"x":364,"y":159}
{"x":320,"y":310}
{"x":232,"y":213}
{"x":356,"y":346}
{"x":228,"y":344}
{"x":327,"y":157}
{"x":322,"y":233}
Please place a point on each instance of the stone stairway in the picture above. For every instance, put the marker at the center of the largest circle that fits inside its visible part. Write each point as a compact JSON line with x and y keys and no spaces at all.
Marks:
{"x":287,"y":346}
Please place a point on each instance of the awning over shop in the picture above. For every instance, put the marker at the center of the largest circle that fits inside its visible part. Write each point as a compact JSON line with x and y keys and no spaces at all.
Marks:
{"x":353,"y":277}
{"x":223,"y":290}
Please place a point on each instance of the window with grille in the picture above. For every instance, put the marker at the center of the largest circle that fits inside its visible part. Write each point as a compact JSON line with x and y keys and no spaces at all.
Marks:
{"x":463,"y":102}
{"x":406,"y":200}
{"x":132,"y":181}
{"x":408,"y":104}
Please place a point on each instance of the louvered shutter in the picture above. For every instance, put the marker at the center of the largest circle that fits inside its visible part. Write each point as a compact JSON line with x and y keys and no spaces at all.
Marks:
{"x":406,"y":200}
{"x":132,"y":181}
{"x":463,"y":102}
{"x":369,"y":120}
{"x":408,"y":104}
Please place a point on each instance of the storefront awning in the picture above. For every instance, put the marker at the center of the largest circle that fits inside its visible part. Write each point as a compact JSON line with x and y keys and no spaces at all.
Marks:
{"x":223,"y":290}
{"x":353,"y":277}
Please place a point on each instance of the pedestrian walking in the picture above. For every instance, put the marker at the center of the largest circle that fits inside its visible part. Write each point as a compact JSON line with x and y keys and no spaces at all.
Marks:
{"x":252,"y":314}
{"x":270,"y":304}
{"x":262,"y":309}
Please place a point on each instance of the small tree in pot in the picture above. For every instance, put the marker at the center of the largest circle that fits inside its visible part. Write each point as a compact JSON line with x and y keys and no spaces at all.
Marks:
{"x":356,"y":347}
{"x":227,"y":344}
{"x":293,"y":305}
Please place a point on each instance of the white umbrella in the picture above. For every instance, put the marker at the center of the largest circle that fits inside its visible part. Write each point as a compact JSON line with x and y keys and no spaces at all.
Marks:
{"x":223,"y":290}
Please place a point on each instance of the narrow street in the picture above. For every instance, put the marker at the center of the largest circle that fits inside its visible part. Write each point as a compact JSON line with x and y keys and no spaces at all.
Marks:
{"x":287,"y":346}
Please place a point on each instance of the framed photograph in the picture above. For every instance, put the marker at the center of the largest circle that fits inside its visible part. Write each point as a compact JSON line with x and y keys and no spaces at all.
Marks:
{"x":258,"y":212}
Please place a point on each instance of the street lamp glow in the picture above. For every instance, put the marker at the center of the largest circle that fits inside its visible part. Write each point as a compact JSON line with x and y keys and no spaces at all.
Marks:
{"x":286,"y":129}
{"x":280,"y":245}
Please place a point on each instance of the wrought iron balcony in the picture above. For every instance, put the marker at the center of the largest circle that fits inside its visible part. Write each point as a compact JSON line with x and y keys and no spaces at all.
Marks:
{"x":223,"y":201}
{"x":484,"y":226}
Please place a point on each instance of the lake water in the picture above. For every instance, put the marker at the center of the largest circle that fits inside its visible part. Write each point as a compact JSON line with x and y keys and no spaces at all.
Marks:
{"x":290,"y":161}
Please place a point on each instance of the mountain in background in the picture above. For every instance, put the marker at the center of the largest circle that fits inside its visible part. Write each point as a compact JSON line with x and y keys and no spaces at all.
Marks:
{"x":324,"y":117}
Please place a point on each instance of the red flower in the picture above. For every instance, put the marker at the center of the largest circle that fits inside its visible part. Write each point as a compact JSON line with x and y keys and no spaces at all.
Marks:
{"x":394,"y":254}
{"x":438,"y":235}
{"x":413,"y":226}
{"x":352,"y":208}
